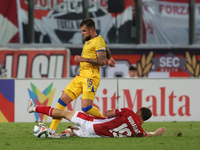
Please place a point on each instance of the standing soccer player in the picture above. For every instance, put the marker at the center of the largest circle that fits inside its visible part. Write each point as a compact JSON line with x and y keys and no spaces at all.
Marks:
{"x":94,"y":54}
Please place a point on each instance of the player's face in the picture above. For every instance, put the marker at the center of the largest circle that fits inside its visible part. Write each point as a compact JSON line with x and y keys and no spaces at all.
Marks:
{"x":138,"y":112}
{"x":85,"y":33}
{"x":132,"y":73}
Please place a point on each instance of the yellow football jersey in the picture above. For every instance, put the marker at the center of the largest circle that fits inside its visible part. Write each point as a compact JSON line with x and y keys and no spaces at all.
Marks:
{"x":89,"y":51}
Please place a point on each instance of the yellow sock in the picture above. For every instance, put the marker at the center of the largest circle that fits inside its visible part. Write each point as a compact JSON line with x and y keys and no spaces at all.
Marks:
{"x":55,"y":122}
{"x":94,"y":112}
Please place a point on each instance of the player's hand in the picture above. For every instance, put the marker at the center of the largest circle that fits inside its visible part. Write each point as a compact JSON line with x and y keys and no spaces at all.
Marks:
{"x":160,"y":131}
{"x":111,"y":62}
{"x":78,"y":58}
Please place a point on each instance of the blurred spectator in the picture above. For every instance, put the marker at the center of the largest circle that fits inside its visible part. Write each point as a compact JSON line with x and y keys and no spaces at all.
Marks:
{"x":132,"y":72}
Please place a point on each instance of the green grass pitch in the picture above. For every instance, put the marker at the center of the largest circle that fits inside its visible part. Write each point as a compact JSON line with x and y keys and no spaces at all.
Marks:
{"x":179,"y":136}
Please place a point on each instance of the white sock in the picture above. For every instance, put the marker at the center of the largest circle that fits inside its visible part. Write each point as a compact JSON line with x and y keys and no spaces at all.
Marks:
{"x":51,"y":130}
{"x":34,"y":109}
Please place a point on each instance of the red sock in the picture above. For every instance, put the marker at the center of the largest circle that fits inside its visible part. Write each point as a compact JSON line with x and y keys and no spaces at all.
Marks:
{"x":44,"y":110}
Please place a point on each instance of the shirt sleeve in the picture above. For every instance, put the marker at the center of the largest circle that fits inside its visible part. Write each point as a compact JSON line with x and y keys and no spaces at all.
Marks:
{"x":100,"y":45}
{"x":143,"y":134}
{"x":120,"y":111}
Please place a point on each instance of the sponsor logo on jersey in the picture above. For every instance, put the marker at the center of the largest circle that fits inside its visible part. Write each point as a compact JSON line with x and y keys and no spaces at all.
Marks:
{"x":103,"y":48}
{"x":88,"y":43}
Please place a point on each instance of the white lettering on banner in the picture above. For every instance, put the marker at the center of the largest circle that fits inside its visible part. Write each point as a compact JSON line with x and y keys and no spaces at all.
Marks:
{"x":8,"y":63}
{"x":41,"y":66}
{"x":68,"y":5}
{"x":182,"y":111}
{"x":68,"y":25}
{"x":169,"y":70}
{"x":169,"y":62}
{"x":40,"y":63}
{"x":22,"y":63}
{"x":73,"y":25}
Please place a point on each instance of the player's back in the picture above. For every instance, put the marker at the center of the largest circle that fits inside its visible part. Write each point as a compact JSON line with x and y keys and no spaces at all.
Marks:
{"x":125,"y":124}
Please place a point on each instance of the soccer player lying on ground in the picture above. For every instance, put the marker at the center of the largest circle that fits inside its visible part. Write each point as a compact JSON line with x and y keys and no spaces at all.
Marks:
{"x":119,"y":122}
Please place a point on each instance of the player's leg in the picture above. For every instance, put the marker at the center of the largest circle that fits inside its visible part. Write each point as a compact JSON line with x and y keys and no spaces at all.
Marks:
{"x":89,"y":91}
{"x":67,"y":114}
{"x":89,"y":109}
{"x":55,"y":113}
{"x":70,"y":93}
{"x":50,"y":111}
{"x":61,"y":104}
{"x":84,"y":125}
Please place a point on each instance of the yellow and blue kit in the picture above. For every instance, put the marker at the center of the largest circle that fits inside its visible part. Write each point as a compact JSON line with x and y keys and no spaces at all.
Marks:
{"x":87,"y":81}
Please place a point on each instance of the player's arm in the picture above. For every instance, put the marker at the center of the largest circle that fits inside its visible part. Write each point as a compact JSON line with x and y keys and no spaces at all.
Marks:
{"x":111,"y":61}
{"x":100,"y":60}
{"x":108,"y":53}
{"x":158,"y":132}
{"x":70,"y":130}
{"x":110,"y":113}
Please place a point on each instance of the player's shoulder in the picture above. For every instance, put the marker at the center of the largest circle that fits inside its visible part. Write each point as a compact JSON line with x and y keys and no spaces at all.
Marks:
{"x":98,"y":39}
{"x":123,"y":110}
{"x":126,"y":108}
{"x":98,"y":36}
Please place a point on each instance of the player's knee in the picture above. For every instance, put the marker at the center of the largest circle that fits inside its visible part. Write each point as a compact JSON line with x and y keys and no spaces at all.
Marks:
{"x":64,"y":95}
{"x":65,"y":98}
{"x":87,"y":108}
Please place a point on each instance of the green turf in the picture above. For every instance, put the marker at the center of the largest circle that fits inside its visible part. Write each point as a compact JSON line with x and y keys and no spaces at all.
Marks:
{"x":179,"y":136}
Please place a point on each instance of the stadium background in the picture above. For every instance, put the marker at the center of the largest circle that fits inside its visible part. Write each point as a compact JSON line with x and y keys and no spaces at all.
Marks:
{"x":163,"y":58}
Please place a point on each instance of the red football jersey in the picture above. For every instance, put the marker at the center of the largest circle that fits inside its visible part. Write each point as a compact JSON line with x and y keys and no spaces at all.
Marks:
{"x":125,"y":124}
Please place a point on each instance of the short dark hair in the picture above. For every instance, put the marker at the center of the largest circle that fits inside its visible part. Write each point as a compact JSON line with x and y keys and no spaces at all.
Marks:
{"x":132,"y":68}
{"x":146,"y":113}
{"x":88,"y":22}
